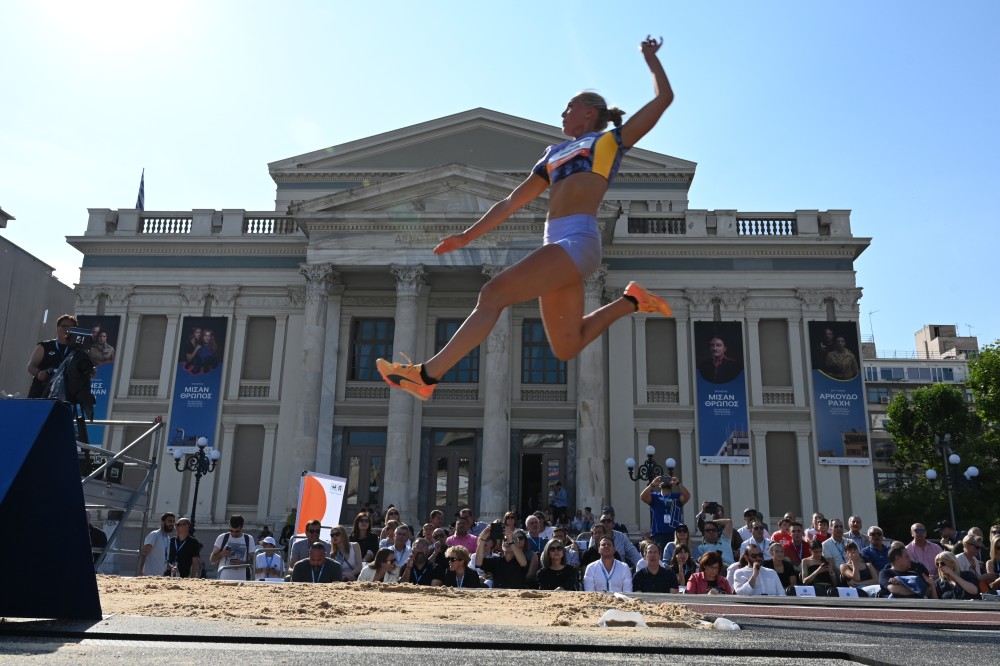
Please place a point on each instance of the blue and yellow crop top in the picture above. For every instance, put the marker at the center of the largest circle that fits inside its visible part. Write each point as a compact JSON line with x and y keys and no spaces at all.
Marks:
{"x":596,"y":152}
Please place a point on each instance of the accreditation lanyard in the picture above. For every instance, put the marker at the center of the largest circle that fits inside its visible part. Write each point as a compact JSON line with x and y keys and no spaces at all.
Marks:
{"x":177,"y":548}
{"x":343,"y":561}
{"x":459,"y":581}
{"x":608,"y":576}
{"x":316,"y":577}
{"x":419,"y":577}
{"x":537,"y":543}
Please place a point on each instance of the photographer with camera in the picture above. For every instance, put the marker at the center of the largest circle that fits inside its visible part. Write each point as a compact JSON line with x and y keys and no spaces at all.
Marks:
{"x":48,"y":355}
{"x":509,"y":567}
{"x":665,"y":507}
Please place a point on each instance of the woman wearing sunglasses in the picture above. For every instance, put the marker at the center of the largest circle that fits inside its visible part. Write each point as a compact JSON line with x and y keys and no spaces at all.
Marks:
{"x":382,"y":569}
{"x":361,"y":534}
{"x":346,"y":553}
{"x":459,"y":573}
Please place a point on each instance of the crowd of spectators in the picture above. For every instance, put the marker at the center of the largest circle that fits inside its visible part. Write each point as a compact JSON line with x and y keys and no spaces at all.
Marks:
{"x":557,"y":550}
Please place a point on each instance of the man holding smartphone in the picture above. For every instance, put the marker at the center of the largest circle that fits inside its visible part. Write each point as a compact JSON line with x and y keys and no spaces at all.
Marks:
{"x":665,"y":507}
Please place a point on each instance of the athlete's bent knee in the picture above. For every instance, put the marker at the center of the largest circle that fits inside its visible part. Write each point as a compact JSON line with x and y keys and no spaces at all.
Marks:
{"x":565,"y":350}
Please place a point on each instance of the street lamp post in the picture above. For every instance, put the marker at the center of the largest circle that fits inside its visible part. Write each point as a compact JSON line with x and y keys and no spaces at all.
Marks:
{"x":200,"y":463}
{"x":650,"y":469}
{"x":950,"y":460}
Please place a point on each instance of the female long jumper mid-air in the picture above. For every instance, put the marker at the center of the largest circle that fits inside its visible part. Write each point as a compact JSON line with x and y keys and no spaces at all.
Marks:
{"x":579,"y":171}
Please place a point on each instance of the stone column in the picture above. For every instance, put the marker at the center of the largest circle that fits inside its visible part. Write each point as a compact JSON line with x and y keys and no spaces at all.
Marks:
{"x":496,"y":414}
{"x":592,"y":441}
{"x":319,"y":278}
{"x":756,"y":375}
{"x":409,"y":280}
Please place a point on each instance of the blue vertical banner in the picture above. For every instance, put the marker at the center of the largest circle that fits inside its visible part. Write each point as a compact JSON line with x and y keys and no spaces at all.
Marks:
{"x":102,"y":354}
{"x":838,"y":394}
{"x":723,"y":417}
{"x":197,"y":397}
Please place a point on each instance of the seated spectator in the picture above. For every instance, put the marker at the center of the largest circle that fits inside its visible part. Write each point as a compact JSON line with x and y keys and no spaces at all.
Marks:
{"x":751,"y":516}
{"x":554,"y":573}
{"x":787,"y":572}
{"x":462,"y":537}
{"x":607,"y":574}
{"x":346,"y":553}
{"x":609,"y":511}
{"x":509,"y":568}
{"x":814,"y":526}
{"x":438,"y":547}
{"x":459,"y":574}
{"x":754,"y":579}
{"x":388,"y":534}
{"x":904,"y":578}
{"x":654,"y":577}
{"x":419,"y":569}
{"x":300,"y":549}
{"x":317,"y":567}
{"x":798,"y":548}
{"x":951,"y":582}
{"x":819,"y":571}
{"x":572,"y":550}
{"x":682,"y":535}
{"x":683,"y":565}
{"x":876,"y":552}
{"x":536,"y":540}
{"x":392,"y":513}
{"x":833,"y":548}
{"x":854,"y":532}
{"x":269,"y":564}
{"x":400,"y":544}
{"x":993,"y":564}
{"x":708,"y":580}
{"x":920,"y":549}
{"x":578,"y":524}
{"x":968,"y":559}
{"x":591,"y":554}
{"x":823,"y":533}
{"x":758,"y":537}
{"x":623,"y":546}
{"x":855,"y":572}
{"x":510,"y":521}
{"x":475,"y":526}
{"x":712,"y":543}
{"x":427,"y":532}
{"x":361,"y":534}
{"x":784,"y":533}
{"x":382,"y":569}
{"x":959,"y":546}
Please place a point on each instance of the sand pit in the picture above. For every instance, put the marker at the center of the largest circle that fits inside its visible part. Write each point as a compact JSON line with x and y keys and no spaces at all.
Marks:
{"x":304,"y":605}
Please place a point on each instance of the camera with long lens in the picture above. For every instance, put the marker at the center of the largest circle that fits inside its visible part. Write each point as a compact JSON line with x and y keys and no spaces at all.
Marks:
{"x":80,"y":338}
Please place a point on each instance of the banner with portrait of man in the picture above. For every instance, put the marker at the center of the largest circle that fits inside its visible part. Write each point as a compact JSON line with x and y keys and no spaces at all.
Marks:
{"x":720,"y":380}
{"x":102,"y":353}
{"x":198,"y":384}
{"x":838,"y":394}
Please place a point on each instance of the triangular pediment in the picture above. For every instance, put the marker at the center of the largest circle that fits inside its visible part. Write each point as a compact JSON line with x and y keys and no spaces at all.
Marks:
{"x":448,"y":190}
{"x":479,"y":137}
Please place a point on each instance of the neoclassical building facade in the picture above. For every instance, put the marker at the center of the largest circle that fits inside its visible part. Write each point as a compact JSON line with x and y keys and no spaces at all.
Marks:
{"x":342,"y":271}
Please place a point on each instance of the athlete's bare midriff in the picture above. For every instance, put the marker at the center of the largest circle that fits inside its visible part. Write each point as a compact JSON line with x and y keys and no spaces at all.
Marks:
{"x":577,"y":194}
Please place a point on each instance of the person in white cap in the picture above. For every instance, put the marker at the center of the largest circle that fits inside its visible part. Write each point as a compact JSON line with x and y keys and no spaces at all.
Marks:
{"x":269,"y":564}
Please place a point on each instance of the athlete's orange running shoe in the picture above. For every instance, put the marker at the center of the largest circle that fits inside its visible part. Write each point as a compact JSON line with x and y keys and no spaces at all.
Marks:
{"x":405,"y":376}
{"x":647,"y":302}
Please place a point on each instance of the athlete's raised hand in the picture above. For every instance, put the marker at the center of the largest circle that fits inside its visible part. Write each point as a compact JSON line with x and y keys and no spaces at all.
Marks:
{"x":650,"y":46}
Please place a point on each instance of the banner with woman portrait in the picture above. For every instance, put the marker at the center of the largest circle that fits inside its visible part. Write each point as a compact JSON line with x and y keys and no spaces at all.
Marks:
{"x":197,"y":395}
{"x":723,"y":417}
{"x":102,"y":354}
{"x":838,"y":394}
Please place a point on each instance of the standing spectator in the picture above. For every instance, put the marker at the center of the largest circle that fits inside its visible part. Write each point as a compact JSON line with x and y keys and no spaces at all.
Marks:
{"x":233,"y":548}
{"x":666,"y":507}
{"x":654,"y":577}
{"x":361,"y":534}
{"x":317,"y":567}
{"x":920,"y":549}
{"x":554,"y":573}
{"x":382,"y":569}
{"x":300,"y":549}
{"x":419,"y":570}
{"x":753,"y":579}
{"x":459,"y":574}
{"x":462,"y":537}
{"x":269,"y":563}
{"x":833,"y":548}
{"x":876,"y":552}
{"x":346,"y":553}
{"x":153,"y":558}
{"x":558,"y":503}
{"x":578,"y":524}
{"x":708,"y":580}
{"x":854,"y":532}
{"x":185,"y":551}
{"x":607,"y":574}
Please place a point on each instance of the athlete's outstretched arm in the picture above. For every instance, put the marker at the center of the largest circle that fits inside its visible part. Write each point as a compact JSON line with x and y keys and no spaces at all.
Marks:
{"x":530,"y":189}
{"x":644,"y":119}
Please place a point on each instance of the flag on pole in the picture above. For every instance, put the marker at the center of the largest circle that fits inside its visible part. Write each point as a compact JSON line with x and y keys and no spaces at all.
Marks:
{"x":140,"y":203}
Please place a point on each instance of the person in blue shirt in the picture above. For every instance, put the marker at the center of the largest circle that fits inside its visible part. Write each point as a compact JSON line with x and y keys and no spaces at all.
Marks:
{"x":876,"y":552}
{"x":665,"y":508}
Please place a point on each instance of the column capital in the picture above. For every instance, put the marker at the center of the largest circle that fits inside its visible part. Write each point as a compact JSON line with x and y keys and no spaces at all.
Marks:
{"x":225,"y":295}
{"x":194,"y":294}
{"x":319,"y":278}
{"x":409,"y":279}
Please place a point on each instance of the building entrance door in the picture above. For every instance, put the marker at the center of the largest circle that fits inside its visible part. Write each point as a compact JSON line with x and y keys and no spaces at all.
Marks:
{"x":452,"y":485}
{"x":543,"y":462}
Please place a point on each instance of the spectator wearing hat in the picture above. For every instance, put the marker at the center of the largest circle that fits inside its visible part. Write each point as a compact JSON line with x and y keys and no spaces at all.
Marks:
{"x":317,"y":568}
{"x":269,"y":564}
{"x":666,"y":506}
{"x":948,"y":537}
{"x":682,"y":536}
{"x":750,"y":515}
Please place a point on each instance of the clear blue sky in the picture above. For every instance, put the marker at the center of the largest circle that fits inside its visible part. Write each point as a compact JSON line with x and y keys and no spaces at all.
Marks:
{"x":889,"y":109}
